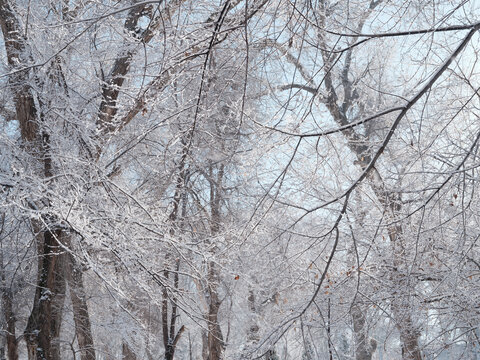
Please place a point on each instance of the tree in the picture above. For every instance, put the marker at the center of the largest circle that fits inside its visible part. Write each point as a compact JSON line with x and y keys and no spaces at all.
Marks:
{"x":362,"y":105}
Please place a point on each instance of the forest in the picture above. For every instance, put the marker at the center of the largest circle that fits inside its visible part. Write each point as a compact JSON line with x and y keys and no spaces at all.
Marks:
{"x":239,"y":179}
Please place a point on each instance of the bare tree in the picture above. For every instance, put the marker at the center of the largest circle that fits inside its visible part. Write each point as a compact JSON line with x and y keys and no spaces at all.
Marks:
{"x":266,"y":178}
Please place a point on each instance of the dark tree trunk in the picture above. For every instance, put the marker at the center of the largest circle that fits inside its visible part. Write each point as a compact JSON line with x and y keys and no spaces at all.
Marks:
{"x":38,"y":333}
{"x":7,"y":303}
{"x":271,"y":355}
{"x":170,"y":338}
{"x":127,"y":353}
{"x":408,"y":333}
{"x":58,"y":301}
{"x":214,"y":343}
{"x":364,"y":348}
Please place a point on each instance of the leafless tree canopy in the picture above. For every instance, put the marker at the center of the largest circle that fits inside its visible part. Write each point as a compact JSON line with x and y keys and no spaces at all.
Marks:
{"x":239,"y":179}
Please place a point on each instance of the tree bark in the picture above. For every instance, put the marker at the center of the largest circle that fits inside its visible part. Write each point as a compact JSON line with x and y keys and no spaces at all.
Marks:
{"x":364,"y":348}
{"x":271,"y":355}
{"x":57,"y":306}
{"x":7,"y":304}
{"x":408,"y":334}
{"x":23,"y":97}
{"x":215,"y":344}
{"x":81,"y":317}
{"x":38,"y":333}
{"x":170,"y":338}
{"x":127,"y":353}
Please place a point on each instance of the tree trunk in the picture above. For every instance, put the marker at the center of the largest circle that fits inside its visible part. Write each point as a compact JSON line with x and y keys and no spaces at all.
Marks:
{"x":271,"y":355}
{"x":127,"y":353}
{"x":402,"y":305}
{"x":8,"y":314}
{"x":409,"y":339}
{"x":81,"y":317}
{"x":57,"y":305}
{"x":364,"y":348}
{"x":214,"y":344}
{"x":253,"y":329}
{"x":7,"y":304}
{"x":38,"y":333}
{"x":170,"y":338}
{"x":402,"y":312}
